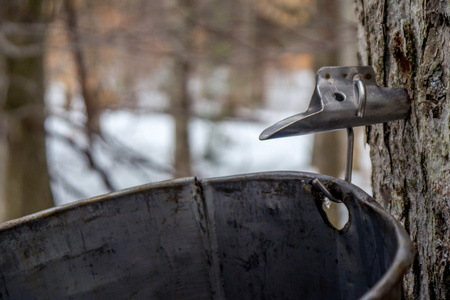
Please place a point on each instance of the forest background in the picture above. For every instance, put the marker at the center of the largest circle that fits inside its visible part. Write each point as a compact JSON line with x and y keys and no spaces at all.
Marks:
{"x":98,"y":96}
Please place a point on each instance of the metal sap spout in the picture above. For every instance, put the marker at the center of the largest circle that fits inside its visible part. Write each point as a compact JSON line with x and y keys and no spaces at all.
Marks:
{"x":344,"y":97}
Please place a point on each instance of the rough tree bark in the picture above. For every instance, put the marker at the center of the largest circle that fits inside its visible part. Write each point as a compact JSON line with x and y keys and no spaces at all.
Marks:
{"x":24,"y":179}
{"x":408,"y":42}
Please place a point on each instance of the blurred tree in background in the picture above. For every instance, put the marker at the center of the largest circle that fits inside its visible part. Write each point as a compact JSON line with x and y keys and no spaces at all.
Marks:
{"x":107,"y":54}
{"x":24,"y":179}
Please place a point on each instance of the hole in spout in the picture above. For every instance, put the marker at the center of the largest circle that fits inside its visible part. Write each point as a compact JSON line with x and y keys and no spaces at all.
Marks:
{"x":339,"y":96}
{"x":337,"y":213}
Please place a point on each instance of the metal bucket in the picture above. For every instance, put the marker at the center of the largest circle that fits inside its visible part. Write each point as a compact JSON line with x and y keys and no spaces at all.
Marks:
{"x":258,"y":236}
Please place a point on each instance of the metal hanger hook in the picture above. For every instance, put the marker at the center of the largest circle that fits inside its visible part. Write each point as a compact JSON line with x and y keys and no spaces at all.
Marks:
{"x":318,"y":184}
{"x":349,"y":162}
{"x":344,"y":97}
{"x":360,"y":91}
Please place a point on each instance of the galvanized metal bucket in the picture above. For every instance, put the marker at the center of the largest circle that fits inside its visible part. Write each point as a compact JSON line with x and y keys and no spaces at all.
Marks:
{"x":258,"y":236}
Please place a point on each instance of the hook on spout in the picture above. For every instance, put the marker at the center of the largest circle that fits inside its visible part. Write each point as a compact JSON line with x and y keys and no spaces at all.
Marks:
{"x":360,"y":91}
{"x":344,"y":97}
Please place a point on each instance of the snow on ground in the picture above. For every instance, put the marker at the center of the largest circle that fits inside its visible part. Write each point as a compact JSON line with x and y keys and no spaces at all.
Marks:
{"x":218,"y":148}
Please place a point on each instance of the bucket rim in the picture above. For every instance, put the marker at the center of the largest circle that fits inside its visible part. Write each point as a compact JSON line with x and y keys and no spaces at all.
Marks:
{"x":401,"y":262}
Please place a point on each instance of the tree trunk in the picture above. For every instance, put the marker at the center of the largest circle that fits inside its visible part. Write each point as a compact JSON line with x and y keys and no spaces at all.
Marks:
{"x":180,"y":109}
{"x":246,"y":70}
{"x":407,"y":42}
{"x":329,"y":153}
{"x":87,"y":88}
{"x":181,"y":21}
{"x":24,"y":181}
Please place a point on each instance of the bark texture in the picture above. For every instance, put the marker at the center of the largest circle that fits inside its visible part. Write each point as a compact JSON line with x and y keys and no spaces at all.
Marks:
{"x":407,"y":43}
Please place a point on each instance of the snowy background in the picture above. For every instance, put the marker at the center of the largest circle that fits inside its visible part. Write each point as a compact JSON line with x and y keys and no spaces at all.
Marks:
{"x":222,"y":148}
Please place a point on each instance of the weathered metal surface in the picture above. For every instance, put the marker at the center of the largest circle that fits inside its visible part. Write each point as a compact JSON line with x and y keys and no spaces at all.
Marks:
{"x":337,"y":103}
{"x":243,"y":237}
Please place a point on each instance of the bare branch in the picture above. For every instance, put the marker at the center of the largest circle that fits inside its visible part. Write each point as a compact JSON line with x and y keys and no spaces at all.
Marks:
{"x":86,"y":152}
{"x":10,"y":49}
{"x":124,"y":154}
{"x":57,"y":177}
{"x":22,"y":28}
